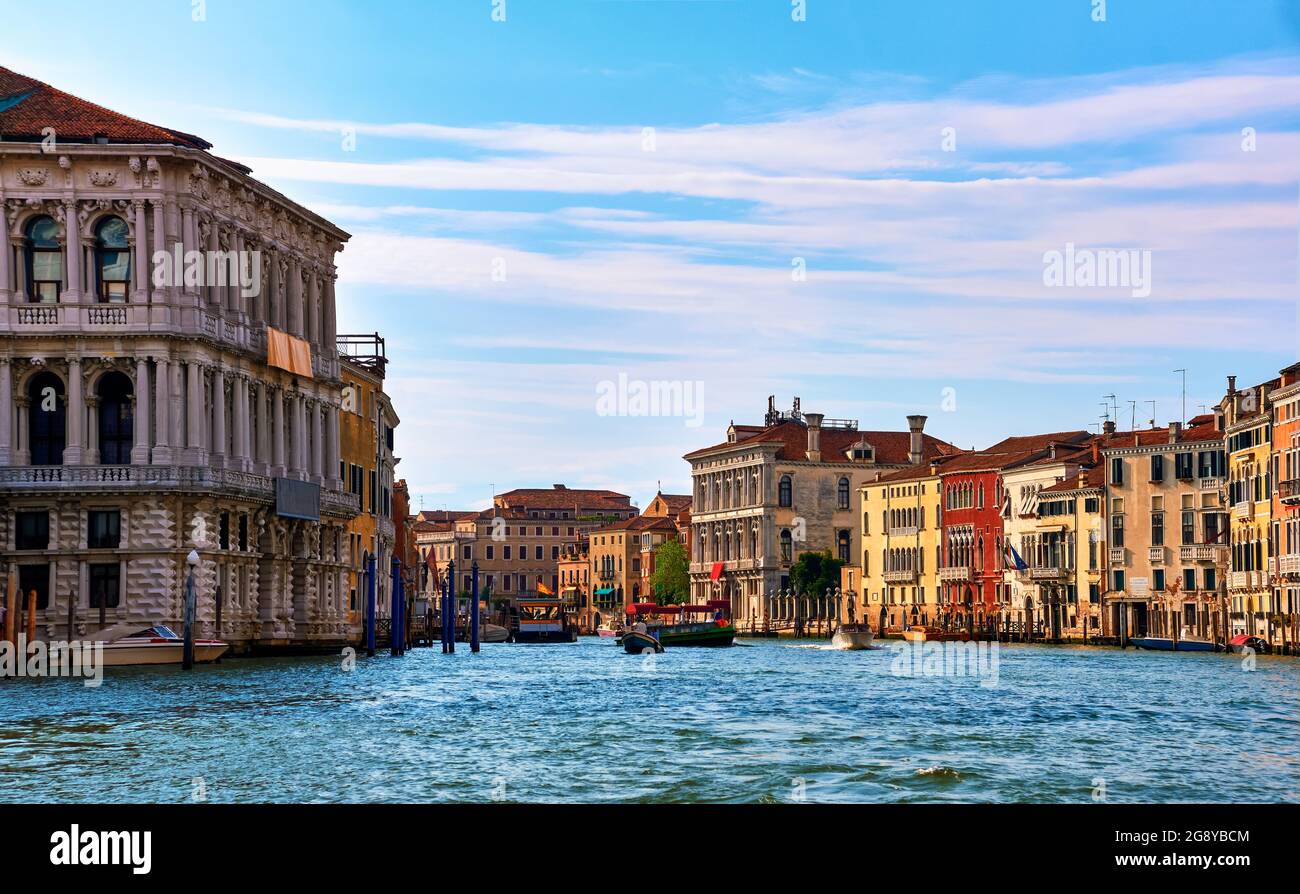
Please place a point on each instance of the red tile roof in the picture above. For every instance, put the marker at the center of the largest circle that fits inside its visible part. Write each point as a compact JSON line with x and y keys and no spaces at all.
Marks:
{"x":1022,"y":443}
{"x":561,"y":497}
{"x":28,"y":106}
{"x":892,"y":447}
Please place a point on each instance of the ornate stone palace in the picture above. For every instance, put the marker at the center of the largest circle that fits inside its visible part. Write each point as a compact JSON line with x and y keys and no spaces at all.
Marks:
{"x":140,"y":415}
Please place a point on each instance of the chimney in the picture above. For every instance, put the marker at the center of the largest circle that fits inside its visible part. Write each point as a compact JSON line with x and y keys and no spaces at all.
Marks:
{"x":1096,"y":453}
{"x":814,"y":436}
{"x":559,"y":487}
{"x":1175,"y":429}
{"x":1051,"y":450}
{"x":915,"y":452}
{"x":1108,"y":427}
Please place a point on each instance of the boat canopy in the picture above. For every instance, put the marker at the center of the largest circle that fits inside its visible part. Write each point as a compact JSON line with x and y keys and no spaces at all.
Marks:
{"x":651,"y":608}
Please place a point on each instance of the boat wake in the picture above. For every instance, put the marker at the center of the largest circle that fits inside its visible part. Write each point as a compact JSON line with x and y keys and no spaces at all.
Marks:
{"x":939,"y":772}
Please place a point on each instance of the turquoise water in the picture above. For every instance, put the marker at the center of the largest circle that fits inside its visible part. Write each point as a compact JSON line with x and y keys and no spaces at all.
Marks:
{"x":763,"y":721}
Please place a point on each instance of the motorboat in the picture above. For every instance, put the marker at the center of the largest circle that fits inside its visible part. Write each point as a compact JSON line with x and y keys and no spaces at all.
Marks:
{"x":1243,"y":641}
{"x":853,"y":637}
{"x":636,"y":642}
{"x":127,"y":645}
{"x":922,"y":633}
{"x":1165,"y":644}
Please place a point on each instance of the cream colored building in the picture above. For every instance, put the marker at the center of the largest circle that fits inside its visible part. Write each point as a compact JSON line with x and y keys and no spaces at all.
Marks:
{"x":1166,"y":553}
{"x":769,"y":493}
{"x":1052,"y":518}
{"x":142,"y":414}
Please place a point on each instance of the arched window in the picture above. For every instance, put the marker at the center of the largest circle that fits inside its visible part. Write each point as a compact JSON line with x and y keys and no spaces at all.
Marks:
{"x":116,"y":423}
{"x":112,"y":260}
{"x":44,"y":261}
{"x":47,"y":419}
{"x":844,"y":546}
{"x":785,"y":492}
{"x":844,"y":493}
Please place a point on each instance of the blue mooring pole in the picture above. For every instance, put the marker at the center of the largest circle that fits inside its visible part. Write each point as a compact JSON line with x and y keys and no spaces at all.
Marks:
{"x":451,"y":606}
{"x":442,"y":616}
{"x":398,"y":611}
{"x":473,"y":608}
{"x":370,"y":606}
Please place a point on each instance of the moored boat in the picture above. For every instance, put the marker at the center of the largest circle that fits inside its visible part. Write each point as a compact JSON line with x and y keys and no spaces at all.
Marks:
{"x":852,"y":637}
{"x":153,"y":645}
{"x":921,"y":634}
{"x":1165,"y":644}
{"x":1241,"y":642}
{"x":544,"y":620}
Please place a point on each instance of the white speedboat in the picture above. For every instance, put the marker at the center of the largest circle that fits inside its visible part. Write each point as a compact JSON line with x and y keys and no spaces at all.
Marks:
{"x":852,"y":637}
{"x":153,"y":645}
{"x":493,"y":633}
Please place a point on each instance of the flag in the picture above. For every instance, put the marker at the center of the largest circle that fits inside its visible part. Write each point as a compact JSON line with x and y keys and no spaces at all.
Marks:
{"x":431,"y":561}
{"x":542,"y":588}
{"x":1011,"y":559}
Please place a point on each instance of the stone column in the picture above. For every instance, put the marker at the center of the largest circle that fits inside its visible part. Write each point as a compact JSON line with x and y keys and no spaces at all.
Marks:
{"x":218,"y":417}
{"x":295,"y":435}
{"x":6,"y":253}
{"x":20,"y":271}
{"x":159,"y":245}
{"x":72,"y":249}
{"x":141,"y":255}
{"x":189,"y":239}
{"x":277,"y":433}
{"x":313,"y":308}
{"x":317,"y":442}
{"x":331,"y":315}
{"x":241,"y":423}
{"x":274,"y":303}
{"x":194,"y":413}
{"x":295,"y":297}
{"x":262,"y":448}
{"x":22,"y":448}
{"x":92,"y":411}
{"x":162,"y":453}
{"x":74,"y":453}
{"x":140,"y":450}
{"x":332,"y":448}
{"x":6,"y":411}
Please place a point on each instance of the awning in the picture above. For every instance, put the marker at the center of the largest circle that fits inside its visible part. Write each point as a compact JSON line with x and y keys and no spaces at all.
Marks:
{"x":604,"y":591}
{"x":650,"y":608}
{"x":717,"y":571}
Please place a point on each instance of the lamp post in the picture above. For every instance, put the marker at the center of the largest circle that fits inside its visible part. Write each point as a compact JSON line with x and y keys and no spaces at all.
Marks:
{"x":187,"y":656}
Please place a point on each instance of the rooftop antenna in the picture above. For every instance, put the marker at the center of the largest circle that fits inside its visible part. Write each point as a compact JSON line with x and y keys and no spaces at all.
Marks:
{"x":1184,"y":372}
{"x":1114,"y":405}
{"x":1132,"y":415}
{"x":1153,"y":412}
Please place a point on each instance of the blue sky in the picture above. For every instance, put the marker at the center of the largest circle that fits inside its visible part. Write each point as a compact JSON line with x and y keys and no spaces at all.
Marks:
{"x":667,"y":255}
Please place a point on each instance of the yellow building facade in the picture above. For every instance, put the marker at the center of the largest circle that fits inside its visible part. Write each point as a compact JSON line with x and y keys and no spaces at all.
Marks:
{"x":900,"y":527}
{"x":1248,"y":442}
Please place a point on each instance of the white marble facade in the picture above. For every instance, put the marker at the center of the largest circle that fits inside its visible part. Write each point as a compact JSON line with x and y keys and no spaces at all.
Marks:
{"x":155,"y":402}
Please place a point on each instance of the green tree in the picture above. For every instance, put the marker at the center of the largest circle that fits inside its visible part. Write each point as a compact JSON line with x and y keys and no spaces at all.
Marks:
{"x":815,"y":573}
{"x":671,"y":581}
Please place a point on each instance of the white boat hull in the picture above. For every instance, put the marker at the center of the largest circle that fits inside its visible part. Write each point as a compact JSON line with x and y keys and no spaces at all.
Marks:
{"x":136,"y":654}
{"x":852,"y":640}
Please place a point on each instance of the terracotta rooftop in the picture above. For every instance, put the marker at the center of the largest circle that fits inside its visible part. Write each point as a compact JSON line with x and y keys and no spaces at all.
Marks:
{"x":561,"y":497}
{"x":28,"y":106}
{"x":891,"y":447}
{"x":1096,"y":479}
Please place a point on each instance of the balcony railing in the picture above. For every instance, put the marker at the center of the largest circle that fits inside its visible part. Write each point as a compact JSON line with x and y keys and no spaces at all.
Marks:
{"x":1289,"y":564}
{"x":905,"y":531}
{"x":1243,"y":509}
{"x":1211,"y":483}
{"x":100,"y":479}
{"x":902,"y":576}
{"x":1117,"y":555}
{"x":1046,"y":573}
{"x":1289,"y":491}
{"x":1202,"y":552}
{"x":1156,"y":555}
{"x":954,"y":573}
{"x":1247,"y":580}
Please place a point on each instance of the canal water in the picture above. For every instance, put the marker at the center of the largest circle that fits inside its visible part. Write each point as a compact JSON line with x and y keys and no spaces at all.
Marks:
{"x":764,"y":721}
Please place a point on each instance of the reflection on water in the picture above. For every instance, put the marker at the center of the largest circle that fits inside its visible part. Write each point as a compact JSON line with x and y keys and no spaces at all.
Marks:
{"x":767,"y":721}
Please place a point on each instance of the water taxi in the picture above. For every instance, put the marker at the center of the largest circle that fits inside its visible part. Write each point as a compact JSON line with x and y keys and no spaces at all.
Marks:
{"x":1165,"y":644}
{"x":921,"y":634}
{"x":544,"y":619}
{"x":852,"y":637}
{"x":635,"y":642}
{"x":128,"y":646}
{"x":718,"y":632}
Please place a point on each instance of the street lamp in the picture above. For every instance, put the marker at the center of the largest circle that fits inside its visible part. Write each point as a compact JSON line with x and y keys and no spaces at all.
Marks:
{"x":187,"y":656}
